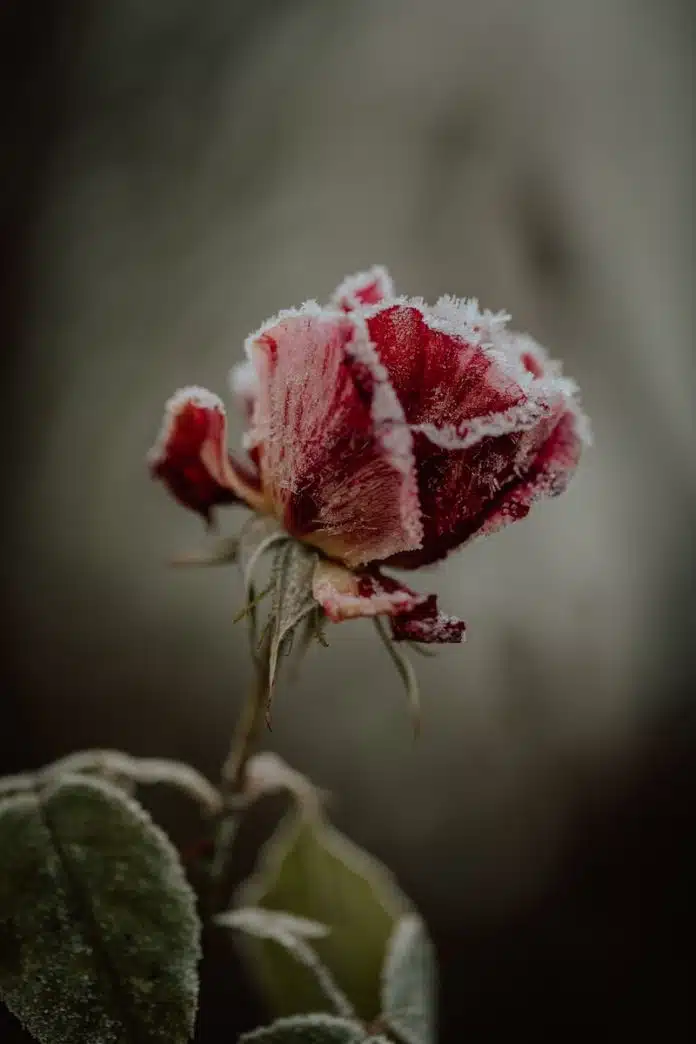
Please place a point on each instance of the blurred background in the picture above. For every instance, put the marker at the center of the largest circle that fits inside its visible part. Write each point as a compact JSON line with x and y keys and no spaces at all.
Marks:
{"x":173,"y":173}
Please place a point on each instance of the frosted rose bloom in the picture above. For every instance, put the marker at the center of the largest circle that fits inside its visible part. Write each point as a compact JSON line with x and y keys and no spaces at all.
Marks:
{"x":383,"y":432}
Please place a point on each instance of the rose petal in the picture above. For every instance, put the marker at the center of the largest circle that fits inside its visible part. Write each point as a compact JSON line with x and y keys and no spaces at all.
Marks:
{"x":190,"y":456}
{"x":451,"y":370}
{"x":481,"y":403}
{"x":346,"y":595}
{"x":363,"y":289}
{"x":336,"y":455}
{"x":473,"y":492}
{"x":425,"y":623}
{"x":548,"y":476}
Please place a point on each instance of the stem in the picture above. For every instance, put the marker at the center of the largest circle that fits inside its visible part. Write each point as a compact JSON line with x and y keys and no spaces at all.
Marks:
{"x":233,"y":776}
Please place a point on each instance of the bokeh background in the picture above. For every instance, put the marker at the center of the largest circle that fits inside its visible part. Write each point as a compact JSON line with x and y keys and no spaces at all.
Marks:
{"x":174,"y":172}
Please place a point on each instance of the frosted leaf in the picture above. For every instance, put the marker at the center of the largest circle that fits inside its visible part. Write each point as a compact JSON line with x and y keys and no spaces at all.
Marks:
{"x":409,"y":983}
{"x":404,"y":669}
{"x":258,"y":536}
{"x":291,"y":933}
{"x":293,"y":600}
{"x":311,"y":870}
{"x":221,"y":552}
{"x":267,"y":773}
{"x":115,"y":766}
{"x":271,"y":924}
{"x":99,"y":937}
{"x":308,"y":1029}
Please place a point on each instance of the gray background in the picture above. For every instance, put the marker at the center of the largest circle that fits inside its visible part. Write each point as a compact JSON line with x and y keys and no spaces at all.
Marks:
{"x":173,"y":173}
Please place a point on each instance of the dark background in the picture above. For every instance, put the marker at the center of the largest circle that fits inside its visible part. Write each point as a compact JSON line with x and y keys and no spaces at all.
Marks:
{"x":174,"y":172}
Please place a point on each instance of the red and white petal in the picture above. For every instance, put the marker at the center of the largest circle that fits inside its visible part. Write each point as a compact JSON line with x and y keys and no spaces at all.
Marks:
{"x":335,"y":452}
{"x":481,"y":402}
{"x":455,"y":373}
{"x":425,"y":623}
{"x":346,"y":595}
{"x":363,"y":289}
{"x":190,"y":455}
{"x":469,"y":493}
{"x":547,"y":476}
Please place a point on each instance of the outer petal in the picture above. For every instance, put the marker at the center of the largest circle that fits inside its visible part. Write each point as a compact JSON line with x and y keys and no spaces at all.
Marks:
{"x":363,"y":289}
{"x":482,"y":404}
{"x":345,"y":595}
{"x":336,"y":454}
{"x":547,"y":476}
{"x":427,"y":624}
{"x":190,"y":456}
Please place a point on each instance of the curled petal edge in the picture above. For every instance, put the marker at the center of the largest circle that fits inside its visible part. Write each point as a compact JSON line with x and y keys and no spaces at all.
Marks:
{"x":190,"y":455}
{"x":363,"y":289}
{"x":346,"y":595}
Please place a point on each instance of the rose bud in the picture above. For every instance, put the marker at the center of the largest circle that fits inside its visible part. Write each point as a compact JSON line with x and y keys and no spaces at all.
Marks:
{"x":381,"y":432}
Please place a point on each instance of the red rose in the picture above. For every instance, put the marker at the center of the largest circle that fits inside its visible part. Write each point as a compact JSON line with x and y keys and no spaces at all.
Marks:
{"x":381,"y":431}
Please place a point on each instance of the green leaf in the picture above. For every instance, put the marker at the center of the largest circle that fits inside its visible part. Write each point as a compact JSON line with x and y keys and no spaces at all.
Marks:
{"x":222,"y":552}
{"x":293,"y":569}
{"x":307,"y":1029}
{"x":291,"y":933}
{"x":271,"y":924}
{"x":123,"y":770}
{"x":267,"y":773}
{"x":405,"y":671}
{"x":311,"y":870}
{"x":409,"y":983}
{"x":258,"y":536}
{"x":99,"y":938}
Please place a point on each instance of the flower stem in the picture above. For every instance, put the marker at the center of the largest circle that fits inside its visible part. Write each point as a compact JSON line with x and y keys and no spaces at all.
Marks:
{"x":233,"y":776}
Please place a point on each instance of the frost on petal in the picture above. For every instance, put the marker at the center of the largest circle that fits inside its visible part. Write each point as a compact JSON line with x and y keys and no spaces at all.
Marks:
{"x":335,"y":452}
{"x":445,"y":367}
{"x":481,"y":402}
{"x":425,"y":623}
{"x":547,"y":476}
{"x":346,"y":595}
{"x":363,"y":289}
{"x":244,"y":385}
{"x":190,"y":456}
{"x":469,"y":493}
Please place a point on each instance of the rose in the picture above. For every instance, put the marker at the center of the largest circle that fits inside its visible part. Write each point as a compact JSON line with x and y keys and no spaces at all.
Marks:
{"x":381,"y":431}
